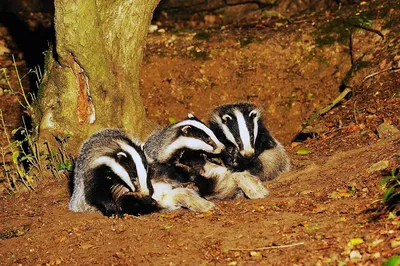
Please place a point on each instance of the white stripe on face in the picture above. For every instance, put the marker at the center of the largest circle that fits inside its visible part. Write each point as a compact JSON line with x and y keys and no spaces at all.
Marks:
{"x":202,"y":127}
{"x":116,"y":168}
{"x":244,"y":133}
{"x":255,"y":121}
{"x":228,"y":134}
{"x":140,"y":169}
{"x":185,"y":142}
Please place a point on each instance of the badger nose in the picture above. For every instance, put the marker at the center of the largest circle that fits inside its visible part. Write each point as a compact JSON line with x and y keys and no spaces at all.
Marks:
{"x":248,"y":154}
{"x":219,"y":149}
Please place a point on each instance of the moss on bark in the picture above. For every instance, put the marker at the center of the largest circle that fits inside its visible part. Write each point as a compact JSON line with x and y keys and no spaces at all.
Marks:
{"x":92,"y":81}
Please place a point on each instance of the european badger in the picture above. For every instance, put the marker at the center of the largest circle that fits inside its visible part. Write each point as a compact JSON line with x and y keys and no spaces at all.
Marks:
{"x":250,"y":147}
{"x":110,"y":176}
{"x":165,"y":150}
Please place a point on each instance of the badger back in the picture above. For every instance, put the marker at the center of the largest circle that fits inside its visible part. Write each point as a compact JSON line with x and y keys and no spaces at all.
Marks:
{"x":240,"y":126}
{"x":188,"y":134}
{"x":112,"y":154}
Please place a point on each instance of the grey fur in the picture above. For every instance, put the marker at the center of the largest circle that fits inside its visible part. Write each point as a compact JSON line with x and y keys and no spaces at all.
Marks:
{"x":106,"y":143}
{"x":269,"y":158}
{"x":170,"y":189}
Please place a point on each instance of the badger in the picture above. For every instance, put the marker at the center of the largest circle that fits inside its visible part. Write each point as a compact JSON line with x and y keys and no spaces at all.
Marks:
{"x":110,"y":176}
{"x":175,"y":159}
{"x":251,"y":149}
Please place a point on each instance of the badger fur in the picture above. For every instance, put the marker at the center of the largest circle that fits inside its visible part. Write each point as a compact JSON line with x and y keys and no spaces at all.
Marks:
{"x":170,"y":177}
{"x":223,"y":183}
{"x":250,"y":146}
{"x":110,"y":176}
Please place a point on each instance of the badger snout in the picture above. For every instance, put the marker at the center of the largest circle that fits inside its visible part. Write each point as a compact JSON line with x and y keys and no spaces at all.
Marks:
{"x":248,"y":154}
{"x":219,"y":149}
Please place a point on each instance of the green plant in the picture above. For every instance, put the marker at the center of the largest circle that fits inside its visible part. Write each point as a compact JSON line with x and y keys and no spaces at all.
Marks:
{"x":391,"y":183}
{"x":25,"y":103}
{"x":21,"y":159}
{"x":18,"y":173}
{"x":392,"y":261}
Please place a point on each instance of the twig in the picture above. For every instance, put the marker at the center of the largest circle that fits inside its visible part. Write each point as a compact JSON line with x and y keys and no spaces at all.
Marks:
{"x":351,"y":48}
{"x":380,"y":72}
{"x":33,"y":149}
{"x":368,"y":29}
{"x":52,"y":161}
{"x":266,"y":248}
{"x":354,"y":112}
{"x":328,"y":107}
{"x":20,"y":85}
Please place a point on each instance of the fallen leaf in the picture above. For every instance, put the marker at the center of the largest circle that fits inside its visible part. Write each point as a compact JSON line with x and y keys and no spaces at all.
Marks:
{"x":86,"y":246}
{"x":386,"y":129}
{"x":395,"y":243}
{"x":381,"y":165}
{"x":119,"y":255}
{"x":355,"y":255}
{"x":302,"y":151}
{"x":167,"y":227}
{"x":61,"y":239}
{"x":319,"y":209}
{"x":255,"y":254}
{"x":376,"y":242}
{"x":356,"y":241}
{"x":172,"y":120}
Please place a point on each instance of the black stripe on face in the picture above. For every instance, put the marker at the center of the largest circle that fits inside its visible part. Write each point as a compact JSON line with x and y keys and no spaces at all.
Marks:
{"x":233,"y":124}
{"x":126,"y":161}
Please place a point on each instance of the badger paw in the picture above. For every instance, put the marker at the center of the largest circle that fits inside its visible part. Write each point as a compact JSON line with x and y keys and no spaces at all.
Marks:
{"x":189,"y":198}
{"x":251,"y":186}
{"x":169,"y":198}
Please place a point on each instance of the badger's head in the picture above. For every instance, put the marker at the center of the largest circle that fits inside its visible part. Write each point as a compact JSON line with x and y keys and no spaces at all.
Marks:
{"x":237,"y":125}
{"x":190,"y":134}
{"x":125,"y":167}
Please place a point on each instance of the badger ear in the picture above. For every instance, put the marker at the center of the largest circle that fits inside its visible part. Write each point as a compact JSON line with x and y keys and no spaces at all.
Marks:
{"x":190,"y":115}
{"x":185,"y":130}
{"x":121,"y":155}
{"x":254,"y":113}
{"x":226,"y":117}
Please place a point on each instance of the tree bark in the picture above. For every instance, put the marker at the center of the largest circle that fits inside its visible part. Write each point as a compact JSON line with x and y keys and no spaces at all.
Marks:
{"x":92,"y":80}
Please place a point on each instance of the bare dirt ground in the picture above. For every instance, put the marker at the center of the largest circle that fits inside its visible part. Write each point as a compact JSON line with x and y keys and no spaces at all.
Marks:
{"x":324,"y":211}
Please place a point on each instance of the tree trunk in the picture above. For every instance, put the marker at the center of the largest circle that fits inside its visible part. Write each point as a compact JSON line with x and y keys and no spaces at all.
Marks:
{"x":92,"y":81}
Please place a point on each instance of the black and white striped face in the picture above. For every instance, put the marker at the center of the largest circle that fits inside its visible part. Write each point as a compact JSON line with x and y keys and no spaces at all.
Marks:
{"x":239,"y":125}
{"x":128,"y":164}
{"x":193,"y":134}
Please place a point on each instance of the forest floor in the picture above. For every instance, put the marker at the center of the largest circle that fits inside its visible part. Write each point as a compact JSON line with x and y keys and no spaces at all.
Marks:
{"x":327,"y":210}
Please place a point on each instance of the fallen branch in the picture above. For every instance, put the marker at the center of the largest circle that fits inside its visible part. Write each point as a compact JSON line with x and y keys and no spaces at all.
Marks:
{"x":338,"y":99}
{"x":368,"y":29}
{"x":266,"y":248}
{"x":380,"y":72}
